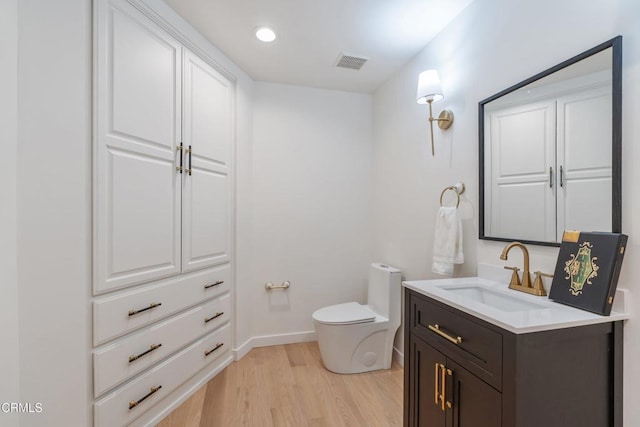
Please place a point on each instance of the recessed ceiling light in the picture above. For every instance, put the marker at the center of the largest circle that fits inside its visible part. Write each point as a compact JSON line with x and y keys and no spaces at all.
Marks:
{"x":265,"y":34}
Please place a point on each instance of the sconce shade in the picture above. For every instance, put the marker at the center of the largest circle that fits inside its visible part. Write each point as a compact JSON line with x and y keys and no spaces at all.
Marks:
{"x":429,"y":87}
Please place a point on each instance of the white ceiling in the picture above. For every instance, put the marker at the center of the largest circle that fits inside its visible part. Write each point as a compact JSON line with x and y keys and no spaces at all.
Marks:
{"x":313,"y":33}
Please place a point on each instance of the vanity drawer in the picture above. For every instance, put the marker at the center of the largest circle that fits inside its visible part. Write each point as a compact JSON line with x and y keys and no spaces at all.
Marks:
{"x":480,"y":348}
{"x":121,"y":359}
{"x":134,"y":398}
{"x":124,"y":312}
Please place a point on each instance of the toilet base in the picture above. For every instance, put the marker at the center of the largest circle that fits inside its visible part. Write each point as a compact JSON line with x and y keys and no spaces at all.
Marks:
{"x":352,"y":349}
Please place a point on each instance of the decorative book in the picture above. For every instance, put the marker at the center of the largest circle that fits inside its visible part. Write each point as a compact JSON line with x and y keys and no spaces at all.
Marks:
{"x":587,"y":270}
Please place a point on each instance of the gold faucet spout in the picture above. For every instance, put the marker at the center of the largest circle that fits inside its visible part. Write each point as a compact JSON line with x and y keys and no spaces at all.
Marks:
{"x":526,"y":275}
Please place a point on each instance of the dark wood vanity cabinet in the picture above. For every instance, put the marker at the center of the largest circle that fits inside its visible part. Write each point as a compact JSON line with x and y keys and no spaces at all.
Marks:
{"x":494,"y":378}
{"x":447,"y":394}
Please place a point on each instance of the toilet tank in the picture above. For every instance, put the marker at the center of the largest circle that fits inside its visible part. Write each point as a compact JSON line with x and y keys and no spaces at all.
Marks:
{"x":384,"y":292}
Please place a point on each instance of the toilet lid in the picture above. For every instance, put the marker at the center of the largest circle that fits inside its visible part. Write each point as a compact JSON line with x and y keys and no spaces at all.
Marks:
{"x":344,"y":314}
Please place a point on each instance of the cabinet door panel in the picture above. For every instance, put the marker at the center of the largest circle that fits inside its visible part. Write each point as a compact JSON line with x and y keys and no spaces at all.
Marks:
{"x":517,"y":178}
{"x":207,"y":110}
{"x":143,"y":85}
{"x":207,"y":191}
{"x":206,"y":237}
{"x":423,"y":410}
{"x":142,"y":229}
{"x":138,"y":112}
{"x":475,"y":403}
{"x":586,"y":161}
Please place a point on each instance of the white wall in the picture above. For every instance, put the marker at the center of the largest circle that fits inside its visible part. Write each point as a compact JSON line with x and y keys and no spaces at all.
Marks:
{"x":9,"y":357}
{"x":54,"y":200}
{"x":312,"y":160}
{"x":492,"y":45}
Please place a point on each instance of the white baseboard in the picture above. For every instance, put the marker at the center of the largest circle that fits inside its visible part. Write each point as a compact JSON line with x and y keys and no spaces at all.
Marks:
{"x":269,"y":340}
{"x":398,"y":356}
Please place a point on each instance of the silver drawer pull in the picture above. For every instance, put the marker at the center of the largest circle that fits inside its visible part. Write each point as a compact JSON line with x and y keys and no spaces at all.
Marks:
{"x":220,"y":344}
{"x":436,"y":328}
{"x":219,"y":282}
{"x":215,"y":316}
{"x":153,"y":347}
{"x":151,"y":306}
{"x":135,"y":403}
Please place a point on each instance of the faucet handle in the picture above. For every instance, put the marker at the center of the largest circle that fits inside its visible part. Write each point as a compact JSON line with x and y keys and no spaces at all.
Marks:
{"x":537,"y":283}
{"x":515,"y":279}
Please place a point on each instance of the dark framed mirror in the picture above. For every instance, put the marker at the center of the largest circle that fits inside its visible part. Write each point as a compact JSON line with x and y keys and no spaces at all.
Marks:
{"x":550,"y":151}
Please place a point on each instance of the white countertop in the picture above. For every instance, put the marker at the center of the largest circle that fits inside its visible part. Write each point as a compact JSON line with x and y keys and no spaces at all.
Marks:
{"x":540,"y":314}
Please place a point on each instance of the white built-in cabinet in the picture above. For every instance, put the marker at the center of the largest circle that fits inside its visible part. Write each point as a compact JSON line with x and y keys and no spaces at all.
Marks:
{"x":550,"y":166}
{"x":162,"y":217}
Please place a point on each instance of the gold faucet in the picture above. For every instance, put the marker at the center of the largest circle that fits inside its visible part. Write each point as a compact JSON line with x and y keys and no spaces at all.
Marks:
{"x":538,"y":289}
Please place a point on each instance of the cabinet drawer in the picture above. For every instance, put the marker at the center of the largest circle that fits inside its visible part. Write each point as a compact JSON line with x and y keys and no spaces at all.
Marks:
{"x":480,"y":349}
{"x":124,"y":312}
{"x":124,"y":358}
{"x":136,"y":397}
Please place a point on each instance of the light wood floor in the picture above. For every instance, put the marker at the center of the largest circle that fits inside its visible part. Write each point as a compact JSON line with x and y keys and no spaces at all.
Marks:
{"x":287,"y":385}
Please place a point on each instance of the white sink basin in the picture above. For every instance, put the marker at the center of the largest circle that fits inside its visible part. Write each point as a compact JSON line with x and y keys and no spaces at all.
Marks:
{"x":518,"y":312}
{"x":496,"y":299}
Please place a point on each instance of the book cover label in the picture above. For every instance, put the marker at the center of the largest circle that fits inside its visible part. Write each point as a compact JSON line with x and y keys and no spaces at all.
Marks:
{"x":581,"y":268}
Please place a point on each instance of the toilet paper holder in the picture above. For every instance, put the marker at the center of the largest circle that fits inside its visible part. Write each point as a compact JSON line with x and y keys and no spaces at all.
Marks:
{"x":270,"y":286}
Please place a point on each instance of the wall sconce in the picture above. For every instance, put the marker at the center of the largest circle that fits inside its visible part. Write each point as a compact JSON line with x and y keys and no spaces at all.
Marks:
{"x":430,"y":90}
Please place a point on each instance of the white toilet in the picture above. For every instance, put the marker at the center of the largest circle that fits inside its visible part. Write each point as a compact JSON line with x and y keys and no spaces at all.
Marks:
{"x":357,"y":338}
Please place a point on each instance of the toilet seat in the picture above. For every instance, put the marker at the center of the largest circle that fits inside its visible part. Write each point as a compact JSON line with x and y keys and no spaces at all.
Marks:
{"x":344,"y":314}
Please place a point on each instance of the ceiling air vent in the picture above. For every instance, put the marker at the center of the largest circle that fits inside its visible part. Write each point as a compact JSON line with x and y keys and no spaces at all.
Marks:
{"x":348,"y":60}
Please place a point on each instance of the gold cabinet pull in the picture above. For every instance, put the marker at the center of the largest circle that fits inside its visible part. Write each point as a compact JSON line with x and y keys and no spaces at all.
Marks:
{"x":440,"y":386}
{"x":436,"y":377}
{"x":219,"y":282}
{"x":151,"y":306}
{"x":448,"y":403}
{"x":220,"y":344}
{"x":436,"y":328}
{"x":215,"y":316}
{"x":152,"y":348}
{"x":135,"y":403}
{"x":443,"y":379}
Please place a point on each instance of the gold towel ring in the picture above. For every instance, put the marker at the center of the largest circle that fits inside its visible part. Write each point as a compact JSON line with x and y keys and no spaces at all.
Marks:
{"x":452,"y":189}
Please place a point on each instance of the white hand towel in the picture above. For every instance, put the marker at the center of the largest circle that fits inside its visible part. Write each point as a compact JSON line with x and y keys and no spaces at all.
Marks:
{"x":447,"y":241}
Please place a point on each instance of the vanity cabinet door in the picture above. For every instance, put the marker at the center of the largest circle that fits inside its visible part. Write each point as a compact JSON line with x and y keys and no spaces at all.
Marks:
{"x":474,"y":402}
{"x":425,"y":410}
{"x":468,"y":401}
